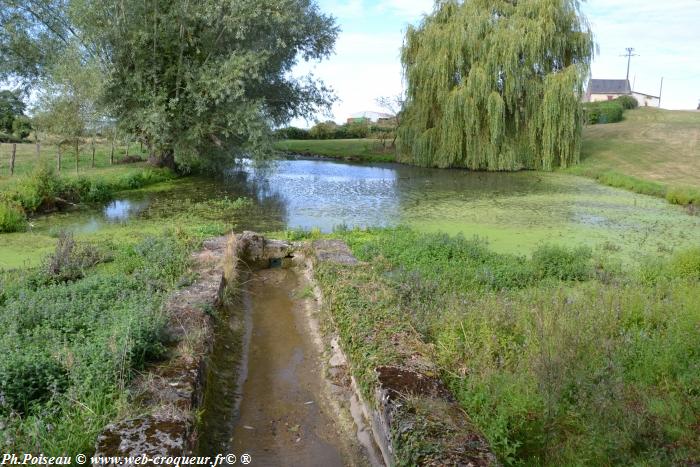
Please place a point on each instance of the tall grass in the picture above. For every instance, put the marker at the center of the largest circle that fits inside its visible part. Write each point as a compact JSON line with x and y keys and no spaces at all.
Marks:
{"x":562,"y":358}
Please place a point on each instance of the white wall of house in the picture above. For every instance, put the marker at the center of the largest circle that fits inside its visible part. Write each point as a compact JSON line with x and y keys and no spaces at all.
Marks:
{"x":645,"y":100}
{"x":603,"y":97}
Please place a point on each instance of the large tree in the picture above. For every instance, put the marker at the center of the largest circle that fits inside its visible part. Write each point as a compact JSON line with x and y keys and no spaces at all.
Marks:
{"x":196,"y":81}
{"x":495,"y":85}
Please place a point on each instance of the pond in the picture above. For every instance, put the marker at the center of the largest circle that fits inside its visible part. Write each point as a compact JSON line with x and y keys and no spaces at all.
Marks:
{"x":513,"y":211}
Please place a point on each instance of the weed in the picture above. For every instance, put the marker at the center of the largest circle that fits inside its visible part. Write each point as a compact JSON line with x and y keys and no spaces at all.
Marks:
{"x":12,"y":218}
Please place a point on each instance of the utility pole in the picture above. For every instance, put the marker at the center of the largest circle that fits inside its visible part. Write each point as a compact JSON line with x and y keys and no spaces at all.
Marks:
{"x":661,"y":89}
{"x":630,"y":53}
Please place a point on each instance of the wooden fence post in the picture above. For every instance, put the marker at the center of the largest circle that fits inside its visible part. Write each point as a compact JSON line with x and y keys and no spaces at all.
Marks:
{"x":111,"y":154}
{"x":12,"y":159}
{"x":93,"y":152}
{"x":58,"y":163}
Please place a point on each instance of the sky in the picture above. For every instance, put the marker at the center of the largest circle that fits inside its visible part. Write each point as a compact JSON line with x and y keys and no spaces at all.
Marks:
{"x":366,"y":64}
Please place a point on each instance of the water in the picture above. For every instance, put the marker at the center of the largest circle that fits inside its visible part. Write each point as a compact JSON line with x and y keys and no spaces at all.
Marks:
{"x":515,"y":212}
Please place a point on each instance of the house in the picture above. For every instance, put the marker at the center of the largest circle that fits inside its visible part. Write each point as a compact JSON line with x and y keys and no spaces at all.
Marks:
{"x":609,"y":89}
{"x":370,"y":116}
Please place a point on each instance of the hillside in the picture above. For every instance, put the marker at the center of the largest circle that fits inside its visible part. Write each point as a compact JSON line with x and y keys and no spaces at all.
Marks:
{"x":652,"y":144}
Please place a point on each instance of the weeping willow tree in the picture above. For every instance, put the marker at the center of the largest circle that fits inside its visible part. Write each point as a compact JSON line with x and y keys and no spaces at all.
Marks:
{"x":495,"y":85}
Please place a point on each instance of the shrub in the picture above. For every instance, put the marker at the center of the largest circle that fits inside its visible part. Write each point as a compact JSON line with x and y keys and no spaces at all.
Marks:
{"x":683,"y":195}
{"x":21,"y":127}
{"x":12,"y":218}
{"x":69,"y":261}
{"x":610,"y":112}
{"x":291,"y":132}
{"x":686,"y":264}
{"x":553,"y":261}
{"x":27,"y":378}
{"x":602,"y":112}
{"x":38,"y":188}
{"x":627,"y":102}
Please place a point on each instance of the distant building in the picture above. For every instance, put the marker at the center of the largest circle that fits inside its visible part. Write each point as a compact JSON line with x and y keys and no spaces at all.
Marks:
{"x":646,"y":100}
{"x":371,"y":116}
{"x":609,"y":89}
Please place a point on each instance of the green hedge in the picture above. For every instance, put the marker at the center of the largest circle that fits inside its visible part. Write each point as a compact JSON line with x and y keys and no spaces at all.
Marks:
{"x":603,"y":112}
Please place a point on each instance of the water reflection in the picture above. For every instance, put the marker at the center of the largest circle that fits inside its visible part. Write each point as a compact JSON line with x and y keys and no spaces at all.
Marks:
{"x":121,"y":210}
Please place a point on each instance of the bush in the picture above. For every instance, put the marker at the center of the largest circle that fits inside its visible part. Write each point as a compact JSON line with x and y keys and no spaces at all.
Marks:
{"x":38,"y":189}
{"x":627,"y":102}
{"x":291,"y":132}
{"x":686,"y":264}
{"x":683,"y":196}
{"x":28,"y":378}
{"x":8,"y":138}
{"x":553,"y":261}
{"x":602,"y":112}
{"x":12,"y":218}
{"x":21,"y":127}
{"x":69,"y":261}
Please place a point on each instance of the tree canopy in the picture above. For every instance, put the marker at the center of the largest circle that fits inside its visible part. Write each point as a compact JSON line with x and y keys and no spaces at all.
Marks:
{"x":11,"y":107}
{"x":495,"y":85}
{"x":195,"y":81}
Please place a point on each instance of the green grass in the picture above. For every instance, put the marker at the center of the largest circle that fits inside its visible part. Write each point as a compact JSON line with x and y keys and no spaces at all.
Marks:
{"x":364,"y":150}
{"x":565,"y":357}
{"x":654,"y":152}
{"x":26,"y":159}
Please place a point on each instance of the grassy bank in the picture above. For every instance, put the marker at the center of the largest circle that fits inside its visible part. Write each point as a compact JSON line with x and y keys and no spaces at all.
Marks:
{"x":654,"y":152}
{"x":42,"y":190}
{"x":564,"y":357}
{"x":86,"y":320}
{"x":362,"y":150}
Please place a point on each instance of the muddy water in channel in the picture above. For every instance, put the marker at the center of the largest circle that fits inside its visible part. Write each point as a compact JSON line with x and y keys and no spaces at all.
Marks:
{"x":282,"y":419}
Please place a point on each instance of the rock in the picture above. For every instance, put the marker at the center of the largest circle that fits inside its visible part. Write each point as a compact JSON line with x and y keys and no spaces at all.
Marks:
{"x":256,"y":251}
{"x":333,"y":251}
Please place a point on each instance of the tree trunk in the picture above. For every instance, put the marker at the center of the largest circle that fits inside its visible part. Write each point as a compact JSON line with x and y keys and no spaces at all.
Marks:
{"x":93,"y":152}
{"x":165,"y":159}
{"x":58,"y":161}
{"x":111,"y":153}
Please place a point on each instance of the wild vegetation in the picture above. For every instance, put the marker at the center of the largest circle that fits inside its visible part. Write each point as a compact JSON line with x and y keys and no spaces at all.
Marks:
{"x":43,"y":191}
{"x":77,"y":329}
{"x":561,"y":358}
{"x":495,"y":85}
